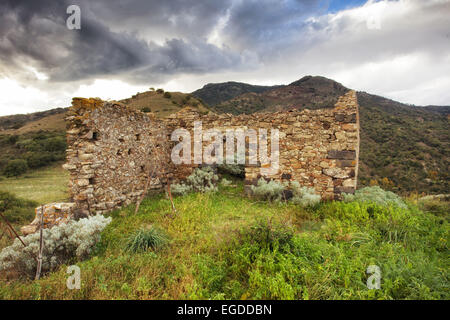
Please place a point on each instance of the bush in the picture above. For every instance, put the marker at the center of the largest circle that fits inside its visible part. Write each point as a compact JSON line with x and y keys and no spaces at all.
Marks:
{"x":15,"y":168}
{"x":180,"y":189}
{"x":167,"y":95}
{"x":267,"y":235}
{"x":272,"y":190}
{"x":275,"y":191}
{"x":160,"y":91}
{"x":237,"y":170}
{"x":201,"y":180}
{"x":147,"y":239}
{"x":57,"y":144}
{"x":304,"y":196}
{"x":146,"y":109}
{"x":16,"y":210}
{"x":40,"y":159}
{"x":62,"y":244}
{"x":376,"y":195}
{"x":225,"y":183}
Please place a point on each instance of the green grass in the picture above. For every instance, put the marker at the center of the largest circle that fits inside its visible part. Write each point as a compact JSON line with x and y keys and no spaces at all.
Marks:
{"x":43,"y":186}
{"x":226,"y":246}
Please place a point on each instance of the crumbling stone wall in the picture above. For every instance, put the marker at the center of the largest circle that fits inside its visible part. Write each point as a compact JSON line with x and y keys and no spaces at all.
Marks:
{"x":317,"y":148}
{"x":112,"y":150}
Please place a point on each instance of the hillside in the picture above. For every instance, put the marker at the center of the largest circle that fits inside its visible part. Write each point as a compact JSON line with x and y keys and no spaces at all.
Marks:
{"x":311,"y":92}
{"x":403,"y":148}
{"x":214,"y":93}
{"x":163,"y":103}
{"x":8,"y":124}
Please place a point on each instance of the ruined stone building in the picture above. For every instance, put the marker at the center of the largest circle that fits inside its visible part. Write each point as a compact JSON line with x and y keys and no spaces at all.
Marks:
{"x":112,"y":148}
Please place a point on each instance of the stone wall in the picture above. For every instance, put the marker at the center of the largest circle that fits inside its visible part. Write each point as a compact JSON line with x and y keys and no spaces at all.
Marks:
{"x":317,"y":148}
{"x":113,"y":149}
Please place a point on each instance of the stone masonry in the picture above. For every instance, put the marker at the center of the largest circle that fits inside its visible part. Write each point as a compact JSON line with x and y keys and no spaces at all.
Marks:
{"x":112,"y":149}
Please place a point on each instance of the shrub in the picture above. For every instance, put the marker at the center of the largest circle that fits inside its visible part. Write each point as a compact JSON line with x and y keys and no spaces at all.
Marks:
{"x":15,"y":168}
{"x":377,"y":195}
{"x":225,"y":183}
{"x":272,"y":190}
{"x":12,"y":139}
{"x":180,"y":189}
{"x":147,"y":239}
{"x":62,"y":244}
{"x":201,"y":180}
{"x":55,"y":144}
{"x":41,"y":159}
{"x":304,"y":196}
{"x":275,"y":191}
{"x":160,"y":91}
{"x":267,"y":234}
{"x":167,"y":95}
{"x":146,"y":109}
{"x":16,"y":210}
{"x":237,"y":170}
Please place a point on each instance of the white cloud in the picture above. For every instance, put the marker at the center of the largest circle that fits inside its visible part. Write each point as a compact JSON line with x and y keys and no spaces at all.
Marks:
{"x":16,"y":98}
{"x":108,"y":89}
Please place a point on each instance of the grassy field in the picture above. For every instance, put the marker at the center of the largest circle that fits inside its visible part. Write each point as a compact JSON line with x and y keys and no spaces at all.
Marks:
{"x":226,"y":246}
{"x":46,"y":185}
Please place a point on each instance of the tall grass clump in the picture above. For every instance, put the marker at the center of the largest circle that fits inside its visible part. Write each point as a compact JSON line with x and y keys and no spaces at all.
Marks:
{"x":143,"y":240}
{"x":62,"y":244}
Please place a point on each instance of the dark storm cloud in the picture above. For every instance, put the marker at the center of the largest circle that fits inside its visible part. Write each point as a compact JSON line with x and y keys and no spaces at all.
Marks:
{"x":266,"y":25}
{"x":35,"y":32}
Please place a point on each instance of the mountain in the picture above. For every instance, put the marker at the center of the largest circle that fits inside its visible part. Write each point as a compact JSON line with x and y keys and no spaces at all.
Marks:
{"x":310,"y":92}
{"x":214,"y":93}
{"x":403,"y":147}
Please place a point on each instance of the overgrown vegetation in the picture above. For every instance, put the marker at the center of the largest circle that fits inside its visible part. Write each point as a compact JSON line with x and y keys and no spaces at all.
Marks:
{"x":376,"y":195}
{"x":62,"y":244}
{"x":146,"y":239}
{"x":16,"y":210}
{"x":30,"y":150}
{"x":226,"y":246}
{"x":202,"y":180}
{"x":276,"y":191}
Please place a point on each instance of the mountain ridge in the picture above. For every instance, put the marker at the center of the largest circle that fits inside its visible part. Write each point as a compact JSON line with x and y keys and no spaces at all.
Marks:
{"x":403,"y":147}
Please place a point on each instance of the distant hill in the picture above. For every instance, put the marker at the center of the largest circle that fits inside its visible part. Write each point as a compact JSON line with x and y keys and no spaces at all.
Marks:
{"x":163,"y":103}
{"x":215,"y":93}
{"x":403,"y":147}
{"x":308,"y":92}
{"x":17,"y":121}
{"x":159,"y":102}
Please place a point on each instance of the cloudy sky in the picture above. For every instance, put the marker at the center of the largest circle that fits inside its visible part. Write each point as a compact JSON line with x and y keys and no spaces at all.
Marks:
{"x":396,"y":48}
